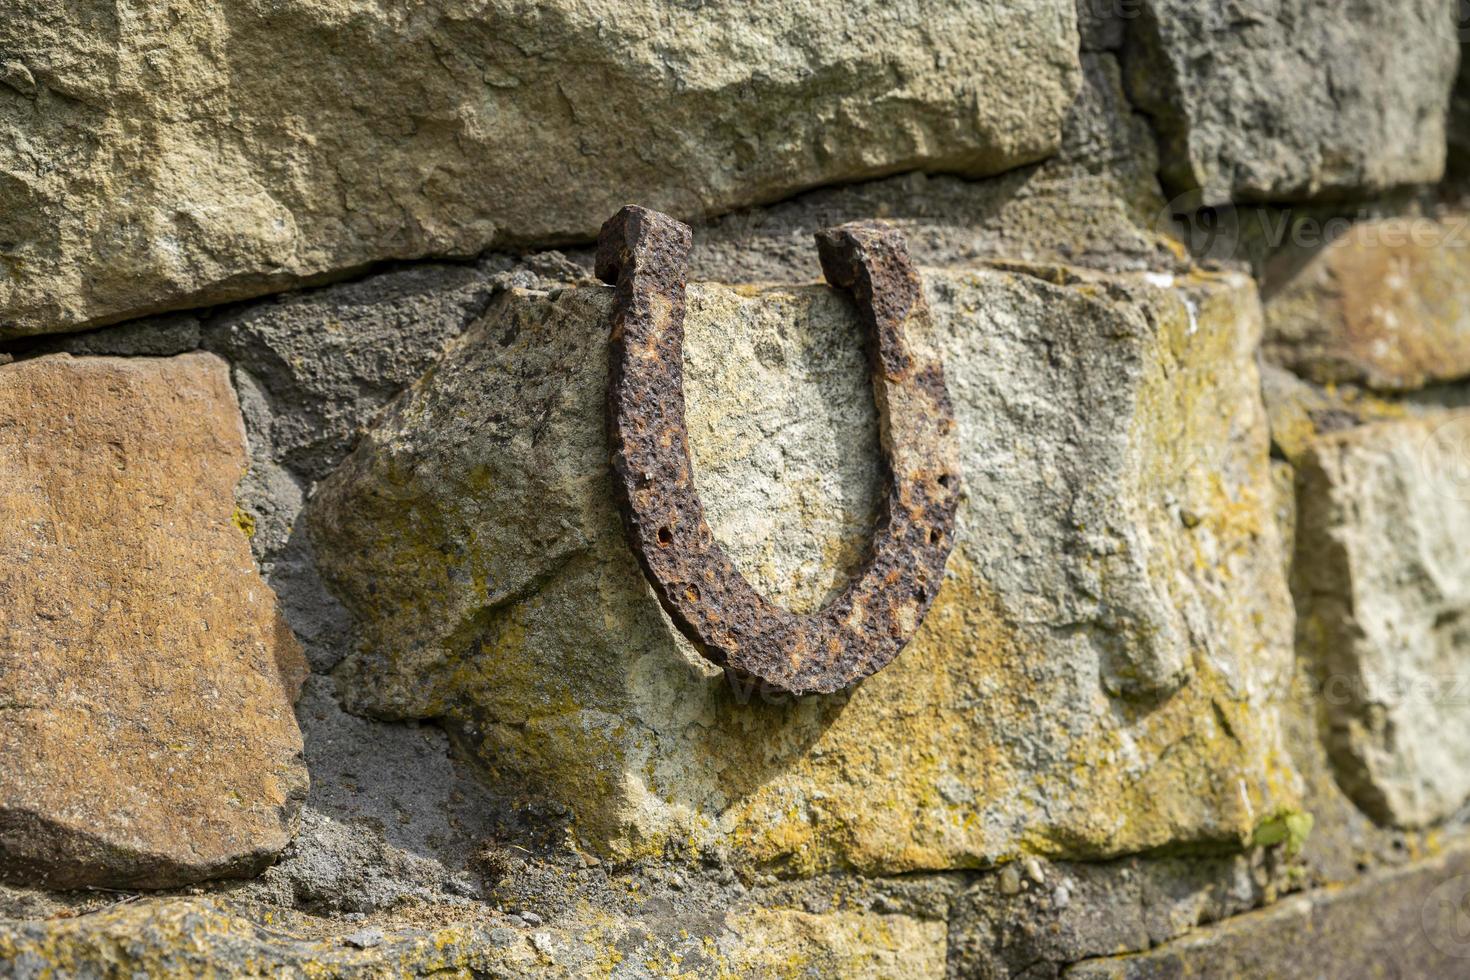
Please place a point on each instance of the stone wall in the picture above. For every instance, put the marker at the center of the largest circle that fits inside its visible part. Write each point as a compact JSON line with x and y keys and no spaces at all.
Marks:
{"x":303,"y":375}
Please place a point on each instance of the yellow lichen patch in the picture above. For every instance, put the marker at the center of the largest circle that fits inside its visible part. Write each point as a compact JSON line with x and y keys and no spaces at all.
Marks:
{"x":788,"y":943}
{"x":902,"y":740}
{"x":211,"y":938}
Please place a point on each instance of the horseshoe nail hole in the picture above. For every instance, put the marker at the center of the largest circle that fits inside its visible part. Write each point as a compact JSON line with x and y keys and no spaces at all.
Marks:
{"x":935,"y":535}
{"x":665,"y":537}
{"x":945,"y":480}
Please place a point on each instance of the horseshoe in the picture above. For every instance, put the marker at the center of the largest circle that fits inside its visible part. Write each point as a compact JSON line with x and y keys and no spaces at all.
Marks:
{"x":645,"y":254}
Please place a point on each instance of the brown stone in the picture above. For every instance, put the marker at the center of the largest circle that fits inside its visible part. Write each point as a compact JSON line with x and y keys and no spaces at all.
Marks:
{"x":1386,"y":305}
{"x":146,"y":676}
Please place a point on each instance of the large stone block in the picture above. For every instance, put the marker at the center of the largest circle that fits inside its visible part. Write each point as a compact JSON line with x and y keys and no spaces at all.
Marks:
{"x":146,"y":676}
{"x":1281,"y":100}
{"x":1386,"y":305}
{"x":1096,"y":203}
{"x":195,"y":151}
{"x":185,"y":938}
{"x":1383,"y":592}
{"x":1097,"y":676}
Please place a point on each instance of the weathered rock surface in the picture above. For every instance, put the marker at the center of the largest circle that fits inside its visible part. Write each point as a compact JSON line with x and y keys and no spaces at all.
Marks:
{"x":1383,"y":593}
{"x":311,"y":369}
{"x":1301,"y":411}
{"x":1289,"y":99}
{"x":146,"y":677}
{"x":203,"y":937}
{"x":1386,"y":305}
{"x":1403,"y":923}
{"x":1098,"y":673}
{"x":391,"y":819}
{"x":1034,"y":918}
{"x":196,"y":152}
{"x":329,"y":358}
{"x":1096,"y":203}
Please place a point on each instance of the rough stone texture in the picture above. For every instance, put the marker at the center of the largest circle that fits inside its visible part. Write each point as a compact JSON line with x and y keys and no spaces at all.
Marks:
{"x":156,"y":336}
{"x":1404,"y":923}
{"x":1034,"y":918}
{"x":1386,"y":305}
{"x":1301,"y":411}
{"x":146,"y":676}
{"x":1101,"y":743}
{"x":207,"y":937}
{"x":390,"y":818}
{"x":1096,"y":203}
{"x":1280,"y":100}
{"x":194,"y":152}
{"x":1097,"y":675}
{"x":1383,"y":593}
{"x":311,"y":369}
{"x":328,"y":359}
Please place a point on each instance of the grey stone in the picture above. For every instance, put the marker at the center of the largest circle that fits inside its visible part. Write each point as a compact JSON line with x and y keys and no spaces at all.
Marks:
{"x":365,"y":938}
{"x":326,"y":359}
{"x":206,"y":152}
{"x":1383,"y":593}
{"x":997,"y":929}
{"x":390,"y":817}
{"x":310,"y":369}
{"x":160,"y":336}
{"x":1103,"y":24}
{"x":1096,"y":203}
{"x":1280,"y":100}
{"x":474,"y":534}
{"x":1401,"y":923}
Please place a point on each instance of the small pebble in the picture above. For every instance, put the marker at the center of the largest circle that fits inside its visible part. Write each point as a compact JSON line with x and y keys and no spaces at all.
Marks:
{"x":531,"y":918}
{"x":542,"y":942}
{"x":1033,"y":870}
{"x":1061,"y":898}
{"x":364,"y":938}
{"x":462,"y":884}
{"x":1010,"y":880}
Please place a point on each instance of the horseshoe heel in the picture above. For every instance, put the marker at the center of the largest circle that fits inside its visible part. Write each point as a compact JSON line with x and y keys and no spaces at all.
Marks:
{"x":645,"y":254}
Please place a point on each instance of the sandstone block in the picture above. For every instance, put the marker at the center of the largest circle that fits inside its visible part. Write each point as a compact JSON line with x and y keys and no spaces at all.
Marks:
{"x":197,"y":151}
{"x":1386,"y":305}
{"x":1097,"y":675}
{"x":146,"y":677}
{"x":1383,"y":592}
{"x":1281,"y":100}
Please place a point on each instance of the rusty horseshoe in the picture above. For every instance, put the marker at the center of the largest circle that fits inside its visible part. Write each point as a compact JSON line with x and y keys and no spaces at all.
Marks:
{"x":645,"y":254}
